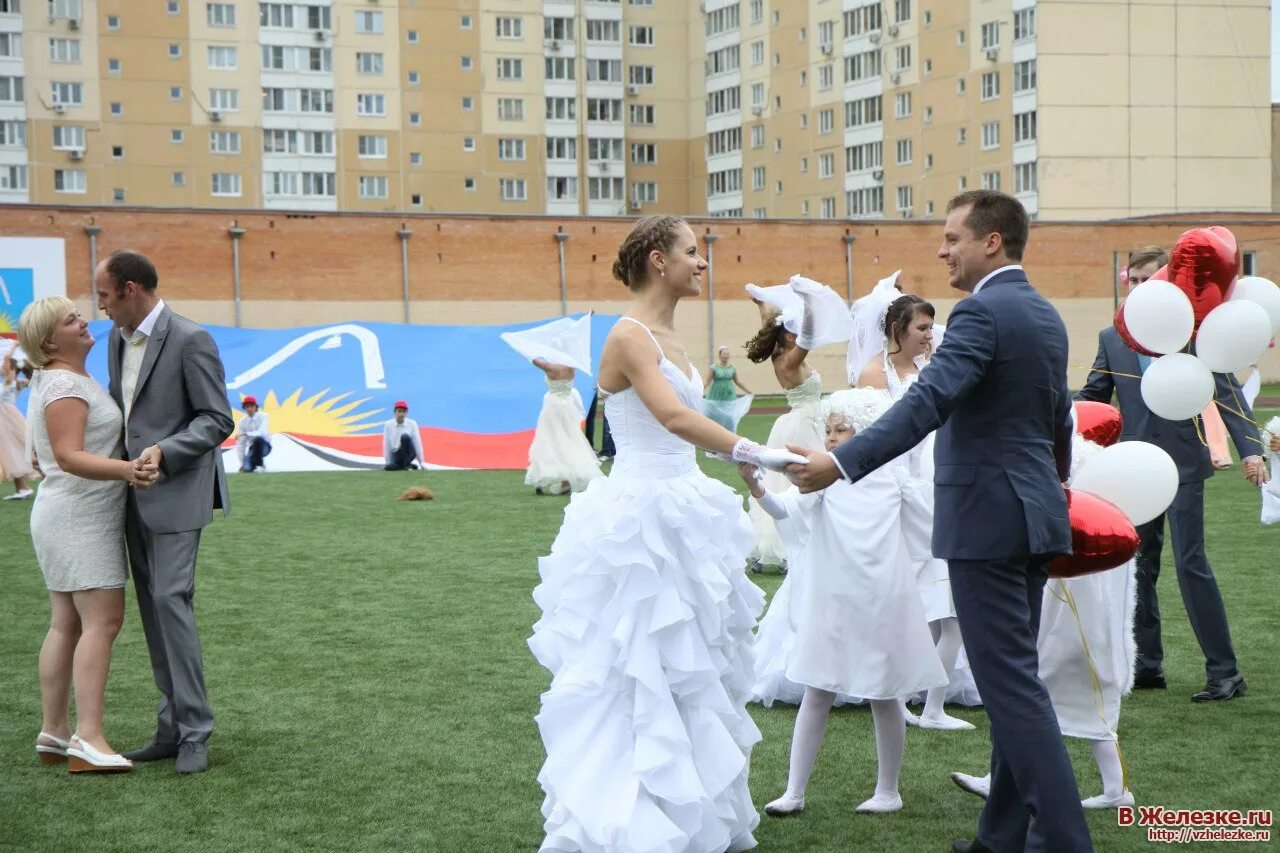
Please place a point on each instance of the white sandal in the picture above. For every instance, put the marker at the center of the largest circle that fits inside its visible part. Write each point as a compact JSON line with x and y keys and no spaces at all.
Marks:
{"x":83,"y":758}
{"x":55,"y":753}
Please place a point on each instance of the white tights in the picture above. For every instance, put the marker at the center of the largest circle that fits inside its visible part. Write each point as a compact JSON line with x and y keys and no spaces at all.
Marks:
{"x":1107,"y":754}
{"x":946,"y":637}
{"x":811,"y":725}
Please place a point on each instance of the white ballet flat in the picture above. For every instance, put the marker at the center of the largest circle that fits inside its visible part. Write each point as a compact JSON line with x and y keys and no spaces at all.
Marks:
{"x":19,"y":496}
{"x":979,"y":785}
{"x":785,"y":805}
{"x":945,"y":723}
{"x":881,"y":803}
{"x":1102,"y":801}
{"x":910,"y":718}
{"x":54,"y":753}
{"x":83,"y":758}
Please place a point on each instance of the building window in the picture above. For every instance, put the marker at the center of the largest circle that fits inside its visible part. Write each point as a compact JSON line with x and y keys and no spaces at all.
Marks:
{"x":224,"y":142}
{"x":178,"y":179}
{"x":278,"y":15}
{"x":416,"y":200}
{"x":640,"y":36}
{"x":468,"y":143}
{"x":369,"y":63}
{"x":757,"y":11}
{"x":220,"y":14}
{"x":905,"y":197}
{"x":990,"y":135}
{"x":175,"y":93}
{"x":1024,"y":24}
{"x":864,"y":202}
{"x":1024,"y":180}
{"x":901,"y":11}
{"x":412,"y":36}
{"x":562,"y":148}
{"x":1024,"y":76}
{"x":640,"y":75}
{"x":644,"y":153}
{"x":319,"y":184}
{"x":415,"y":158}
{"x":604,"y":70}
{"x":960,"y":39}
{"x":863,"y":112}
{"x":605,"y":109}
{"x":609,"y":32}
{"x":224,"y":100}
{"x":414,"y":78}
{"x":226,"y":184}
{"x":904,"y":152}
{"x":604,"y":189}
{"x":558,"y":29}
{"x":222,"y":58}
{"x":177,"y":136}
{"x":862,"y":66}
{"x":642,"y":114}
{"x":826,"y":121}
{"x":962,"y":135}
{"x":510,"y":69}
{"x":510,"y":149}
{"x":828,"y":208}
{"x":13,"y":134}
{"x":990,"y":85}
{"x":960,"y":86}
{"x":175,"y":8}
{"x":63,"y":50}
{"x":415,"y":118}
{"x":371,"y":146}
{"x":1249,"y":263}
{"x":758,"y":179}
{"x":510,"y":28}
{"x":826,"y":165}
{"x":511,"y":109}
{"x":928,"y":66}
{"x":368,"y":22}
{"x":117,"y":108}
{"x":928,"y":161}
{"x":562,"y":188}
{"x":902,"y":57}
{"x":804,"y":165}
{"x":868,"y":155}
{"x":117,"y":152}
{"x":902,"y":105}
{"x":113,"y":22}
{"x":67,"y":137}
{"x":69,"y":180}
{"x":604,"y":149}
{"x":512,"y":189}
{"x":962,"y":184}
{"x":757,"y":136}
{"x":990,"y":35}
{"x":373,"y":186}
{"x":804,"y":207}
{"x":319,"y":18}
{"x":864,"y":19}
{"x":644,"y":192}
{"x":560,"y":68}
{"x":826,"y":76}
{"x":1024,"y":127}
{"x":562,"y":109}
{"x":757,"y":53}
{"x":991,"y":180}
{"x":113,"y":67}
{"x":371,"y":104}
{"x":722,"y":20}
{"x":465,"y":22}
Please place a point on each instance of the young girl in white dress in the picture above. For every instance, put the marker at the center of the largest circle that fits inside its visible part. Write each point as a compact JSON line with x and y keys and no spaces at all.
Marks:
{"x":15,"y":463}
{"x":560,"y":458}
{"x":861,"y":628}
{"x":801,"y":426}
{"x":646,"y":609}
{"x":1086,"y":650}
{"x":905,"y":328}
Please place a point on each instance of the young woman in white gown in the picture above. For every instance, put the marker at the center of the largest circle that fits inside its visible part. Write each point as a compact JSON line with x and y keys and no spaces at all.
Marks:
{"x":560,"y":459}
{"x":860,"y":628}
{"x":646,"y":609}
{"x":15,"y":463}
{"x":1086,"y":649}
{"x":801,"y":426}
{"x":905,"y":329}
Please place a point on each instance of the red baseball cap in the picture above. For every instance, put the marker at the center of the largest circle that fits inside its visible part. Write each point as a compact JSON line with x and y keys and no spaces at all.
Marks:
{"x":249,"y":401}
{"x":401,"y":404}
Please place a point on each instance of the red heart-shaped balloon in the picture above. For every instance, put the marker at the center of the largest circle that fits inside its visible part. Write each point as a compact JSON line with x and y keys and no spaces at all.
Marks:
{"x":1204,"y":263}
{"x":1102,"y":537}
{"x":1098,"y":422}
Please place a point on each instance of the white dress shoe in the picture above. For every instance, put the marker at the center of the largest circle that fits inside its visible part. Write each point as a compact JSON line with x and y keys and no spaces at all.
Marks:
{"x":1102,"y":801}
{"x":882,"y":803}
{"x":785,"y":805}
{"x":83,"y":758}
{"x":19,"y":496}
{"x":980,"y":785}
{"x":946,"y":722}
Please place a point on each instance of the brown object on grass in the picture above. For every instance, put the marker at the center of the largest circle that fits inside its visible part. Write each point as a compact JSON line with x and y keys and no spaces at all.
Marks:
{"x":417,"y":493}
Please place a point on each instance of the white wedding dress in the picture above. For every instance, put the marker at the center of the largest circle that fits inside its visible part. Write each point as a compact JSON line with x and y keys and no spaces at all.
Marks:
{"x":560,"y":452}
{"x":802,"y":426}
{"x":646,"y":628}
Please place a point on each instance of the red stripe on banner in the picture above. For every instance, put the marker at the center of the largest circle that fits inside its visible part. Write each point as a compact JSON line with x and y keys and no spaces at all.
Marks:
{"x":490,"y":452}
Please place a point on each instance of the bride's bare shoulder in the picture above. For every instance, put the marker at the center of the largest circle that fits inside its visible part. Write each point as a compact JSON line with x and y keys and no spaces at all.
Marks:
{"x":872,"y":375}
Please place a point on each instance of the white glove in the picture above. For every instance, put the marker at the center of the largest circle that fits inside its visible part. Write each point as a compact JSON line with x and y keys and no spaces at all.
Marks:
{"x":747,"y":450}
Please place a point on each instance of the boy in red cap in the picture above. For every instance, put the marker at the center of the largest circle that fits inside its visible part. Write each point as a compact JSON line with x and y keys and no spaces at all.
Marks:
{"x":402,"y":441}
{"x":253,"y":437}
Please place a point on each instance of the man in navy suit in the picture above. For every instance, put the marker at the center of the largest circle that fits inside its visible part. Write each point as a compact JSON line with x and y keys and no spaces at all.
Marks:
{"x":1115,"y":370}
{"x":996,"y":392}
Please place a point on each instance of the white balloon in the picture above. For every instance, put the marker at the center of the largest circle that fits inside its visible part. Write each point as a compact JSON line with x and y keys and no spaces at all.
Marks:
{"x":1233,"y":336}
{"x":1138,"y":477}
{"x":1159,"y":316}
{"x":1263,"y":291}
{"x":1177,"y":386}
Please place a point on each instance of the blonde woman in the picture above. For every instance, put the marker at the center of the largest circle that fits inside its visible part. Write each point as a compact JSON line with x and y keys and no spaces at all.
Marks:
{"x":77,"y":528}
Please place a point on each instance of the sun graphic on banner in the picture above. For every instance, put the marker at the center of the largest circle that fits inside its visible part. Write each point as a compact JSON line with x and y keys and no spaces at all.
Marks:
{"x":316,"y":416}
{"x":7,"y":323}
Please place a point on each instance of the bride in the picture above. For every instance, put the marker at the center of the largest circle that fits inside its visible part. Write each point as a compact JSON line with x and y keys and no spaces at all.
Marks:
{"x":646,"y":610}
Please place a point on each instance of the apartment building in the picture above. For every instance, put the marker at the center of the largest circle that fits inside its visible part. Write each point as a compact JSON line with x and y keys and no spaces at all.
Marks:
{"x":755,"y":108}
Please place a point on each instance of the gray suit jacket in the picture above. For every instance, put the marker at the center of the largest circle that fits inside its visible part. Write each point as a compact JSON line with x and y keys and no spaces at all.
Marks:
{"x":1180,"y":439}
{"x":180,"y":403}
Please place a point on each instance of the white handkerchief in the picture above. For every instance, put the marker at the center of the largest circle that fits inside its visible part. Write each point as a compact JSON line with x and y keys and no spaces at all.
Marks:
{"x":786,"y":299}
{"x":566,"y":342}
{"x":831,"y":322}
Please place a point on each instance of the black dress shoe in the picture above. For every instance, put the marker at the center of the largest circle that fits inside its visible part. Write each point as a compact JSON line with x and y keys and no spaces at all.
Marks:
{"x":192,"y":758}
{"x":1149,"y":682}
{"x":1221,"y":689}
{"x":963,"y":845}
{"x":153,"y":752}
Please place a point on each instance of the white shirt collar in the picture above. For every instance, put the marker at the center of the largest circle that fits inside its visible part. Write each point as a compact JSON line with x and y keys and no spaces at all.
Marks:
{"x":147,"y":325}
{"x":986,"y":278}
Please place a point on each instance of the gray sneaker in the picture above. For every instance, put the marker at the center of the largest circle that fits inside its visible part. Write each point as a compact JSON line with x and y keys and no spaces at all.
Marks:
{"x":192,"y":758}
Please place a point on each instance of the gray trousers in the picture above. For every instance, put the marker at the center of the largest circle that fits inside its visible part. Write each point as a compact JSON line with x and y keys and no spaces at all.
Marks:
{"x":164,"y":578}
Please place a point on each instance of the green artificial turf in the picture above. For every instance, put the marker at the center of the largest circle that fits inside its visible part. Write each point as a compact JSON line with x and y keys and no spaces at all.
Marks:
{"x":367,"y":664}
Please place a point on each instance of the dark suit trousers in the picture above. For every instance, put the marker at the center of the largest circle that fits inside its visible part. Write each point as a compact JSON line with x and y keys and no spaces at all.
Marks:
{"x":164,"y":578}
{"x":998,"y":605}
{"x":1199,"y":588}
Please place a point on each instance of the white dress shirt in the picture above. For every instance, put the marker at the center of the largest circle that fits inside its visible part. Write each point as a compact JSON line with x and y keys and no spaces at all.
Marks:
{"x":391,"y":433}
{"x":249,"y":428}
{"x":986,"y":278}
{"x":135,"y":349}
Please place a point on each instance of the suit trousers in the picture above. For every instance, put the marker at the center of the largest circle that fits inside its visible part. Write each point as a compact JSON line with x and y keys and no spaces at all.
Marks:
{"x":1200,"y":594}
{"x":164,"y":577}
{"x":998,"y":605}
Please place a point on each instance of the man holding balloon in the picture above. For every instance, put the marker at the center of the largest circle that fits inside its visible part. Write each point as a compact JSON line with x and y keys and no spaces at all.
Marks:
{"x":1162,"y":383}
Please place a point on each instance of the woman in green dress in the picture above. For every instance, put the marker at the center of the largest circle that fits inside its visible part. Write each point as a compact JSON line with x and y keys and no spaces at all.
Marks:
{"x":721,"y":402}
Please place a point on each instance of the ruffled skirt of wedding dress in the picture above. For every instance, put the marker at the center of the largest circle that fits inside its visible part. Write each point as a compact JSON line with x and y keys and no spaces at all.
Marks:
{"x":646,"y":628}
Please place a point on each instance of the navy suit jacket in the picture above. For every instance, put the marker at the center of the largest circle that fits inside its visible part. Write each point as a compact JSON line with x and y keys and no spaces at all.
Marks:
{"x":997,"y":393}
{"x":1180,"y":439}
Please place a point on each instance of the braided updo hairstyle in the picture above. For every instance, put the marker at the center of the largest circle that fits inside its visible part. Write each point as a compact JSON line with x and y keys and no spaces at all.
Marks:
{"x":902,"y":311}
{"x":650,"y":233}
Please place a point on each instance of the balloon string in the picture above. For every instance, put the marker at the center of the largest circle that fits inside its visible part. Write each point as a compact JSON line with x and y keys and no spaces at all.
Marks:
{"x":1239,"y":412}
{"x":1093,"y":369}
{"x":1099,"y":705}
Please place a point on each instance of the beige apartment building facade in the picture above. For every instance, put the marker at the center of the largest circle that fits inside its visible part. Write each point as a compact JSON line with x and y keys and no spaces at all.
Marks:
{"x":730,"y":108}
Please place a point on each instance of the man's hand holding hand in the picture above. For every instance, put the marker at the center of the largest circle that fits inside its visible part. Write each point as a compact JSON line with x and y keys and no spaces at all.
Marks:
{"x":820,"y":471}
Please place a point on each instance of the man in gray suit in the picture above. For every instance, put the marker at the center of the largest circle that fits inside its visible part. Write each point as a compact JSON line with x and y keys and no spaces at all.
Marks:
{"x":168,"y":379}
{"x":1115,"y":370}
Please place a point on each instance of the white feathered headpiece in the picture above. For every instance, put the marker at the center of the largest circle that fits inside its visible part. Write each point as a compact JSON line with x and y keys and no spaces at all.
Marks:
{"x":860,"y":407}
